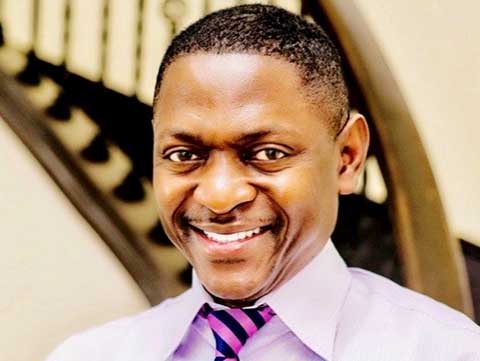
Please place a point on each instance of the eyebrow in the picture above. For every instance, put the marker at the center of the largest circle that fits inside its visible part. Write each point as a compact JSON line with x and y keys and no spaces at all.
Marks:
{"x":189,"y":138}
{"x":251,"y":137}
{"x":242,"y":140}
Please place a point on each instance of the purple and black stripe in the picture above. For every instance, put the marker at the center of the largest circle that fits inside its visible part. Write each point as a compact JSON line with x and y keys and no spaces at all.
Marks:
{"x":233,"y":327}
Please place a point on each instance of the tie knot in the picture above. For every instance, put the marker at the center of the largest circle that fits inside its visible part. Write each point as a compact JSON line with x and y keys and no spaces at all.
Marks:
{"x":233,"y":327}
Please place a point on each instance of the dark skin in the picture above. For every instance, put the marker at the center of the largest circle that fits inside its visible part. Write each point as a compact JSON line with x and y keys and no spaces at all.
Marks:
{"x":246,"y":171}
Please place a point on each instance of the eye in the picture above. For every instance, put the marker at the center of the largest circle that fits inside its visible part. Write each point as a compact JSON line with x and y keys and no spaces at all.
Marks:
{"x":267,"y":154}
{"x":182,"y":155}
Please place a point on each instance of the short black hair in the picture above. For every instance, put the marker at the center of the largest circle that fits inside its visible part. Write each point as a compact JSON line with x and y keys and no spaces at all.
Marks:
{"x":271,"y":31}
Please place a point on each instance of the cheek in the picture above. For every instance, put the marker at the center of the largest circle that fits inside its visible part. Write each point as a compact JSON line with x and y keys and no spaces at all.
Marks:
{"x":169,"y":194}
{"x":302,"y":187}
{"x":309,"y":198}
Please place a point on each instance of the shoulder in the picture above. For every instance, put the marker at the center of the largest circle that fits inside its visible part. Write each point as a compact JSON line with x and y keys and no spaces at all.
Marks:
{"x":105,"y":341}
{"x":406,"y":301}
{"x":409,"y":319}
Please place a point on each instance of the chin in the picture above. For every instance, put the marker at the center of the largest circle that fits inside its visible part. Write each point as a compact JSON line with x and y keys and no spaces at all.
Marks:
{"x":230,"y":288}
{"x":237,"y":294}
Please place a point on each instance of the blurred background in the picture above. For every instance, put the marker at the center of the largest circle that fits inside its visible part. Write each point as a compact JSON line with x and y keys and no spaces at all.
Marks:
{"x":81,"y":243}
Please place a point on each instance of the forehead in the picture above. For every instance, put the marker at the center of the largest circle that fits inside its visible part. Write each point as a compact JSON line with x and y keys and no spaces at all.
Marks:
{"x":235,"y":88}
{"x":229,"y":75}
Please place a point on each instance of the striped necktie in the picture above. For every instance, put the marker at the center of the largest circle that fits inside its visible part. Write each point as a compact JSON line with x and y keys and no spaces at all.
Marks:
{"x":233,"y":327}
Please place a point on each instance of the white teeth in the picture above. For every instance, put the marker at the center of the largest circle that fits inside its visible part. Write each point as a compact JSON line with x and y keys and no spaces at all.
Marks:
{"x":232,"y":237}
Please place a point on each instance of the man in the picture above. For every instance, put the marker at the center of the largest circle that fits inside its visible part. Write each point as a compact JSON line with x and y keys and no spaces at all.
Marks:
{"x":254,"y":142}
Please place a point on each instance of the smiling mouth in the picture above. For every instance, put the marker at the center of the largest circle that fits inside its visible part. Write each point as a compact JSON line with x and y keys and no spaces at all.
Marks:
{"x":225,"y":238}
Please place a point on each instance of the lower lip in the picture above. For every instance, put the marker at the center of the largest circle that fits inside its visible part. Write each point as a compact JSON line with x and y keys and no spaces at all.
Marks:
{"x":226,"y":247}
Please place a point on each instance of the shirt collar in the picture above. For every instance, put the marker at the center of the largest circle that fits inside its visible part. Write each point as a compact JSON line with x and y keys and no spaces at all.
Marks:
{"x":187,"y":308}
{"x":309,"y":303}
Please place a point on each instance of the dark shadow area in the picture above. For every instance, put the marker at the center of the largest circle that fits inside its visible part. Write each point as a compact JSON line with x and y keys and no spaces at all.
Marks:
{"x":472,"y":262}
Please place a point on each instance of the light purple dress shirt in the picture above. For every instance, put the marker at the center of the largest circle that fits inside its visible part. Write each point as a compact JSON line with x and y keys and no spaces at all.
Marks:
{"x":326,"y":312}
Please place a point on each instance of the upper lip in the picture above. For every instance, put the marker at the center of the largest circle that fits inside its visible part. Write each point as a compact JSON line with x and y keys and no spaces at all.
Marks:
{"x":227,"y":229}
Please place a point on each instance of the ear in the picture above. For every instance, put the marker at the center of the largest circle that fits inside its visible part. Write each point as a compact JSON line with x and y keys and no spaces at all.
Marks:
{"x":352,"y":144}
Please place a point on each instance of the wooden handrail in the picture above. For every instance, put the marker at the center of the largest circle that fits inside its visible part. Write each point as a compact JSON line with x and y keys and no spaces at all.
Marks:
{"x":29,"y":125}
{"x":431,"y":257}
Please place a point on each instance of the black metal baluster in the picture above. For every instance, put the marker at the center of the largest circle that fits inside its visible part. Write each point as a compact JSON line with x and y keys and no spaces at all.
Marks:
{"x":173,"y":10}
{"x":35,"y":22}
{"x":2,"y":38}
{"x":66,"y":32}
{"x":97,"y":150}
{"x":206,"y":7}
{"x":104,"y":43}
{"x":158,"y":236}
{"x":131,"y":189}
{"x":61,"y":109}
{"x":139,"y":50}
{"x":31,"y":74}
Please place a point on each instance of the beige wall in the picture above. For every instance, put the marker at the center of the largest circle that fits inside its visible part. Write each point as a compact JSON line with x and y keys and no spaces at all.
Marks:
{"x":57,"y":276}
{"x":432,"y":47}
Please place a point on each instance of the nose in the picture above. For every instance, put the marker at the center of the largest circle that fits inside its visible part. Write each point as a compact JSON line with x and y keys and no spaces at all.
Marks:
{"x":223,"y":185}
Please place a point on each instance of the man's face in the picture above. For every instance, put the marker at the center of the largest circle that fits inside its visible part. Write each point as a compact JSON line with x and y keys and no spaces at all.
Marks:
{"x":245,"y":171}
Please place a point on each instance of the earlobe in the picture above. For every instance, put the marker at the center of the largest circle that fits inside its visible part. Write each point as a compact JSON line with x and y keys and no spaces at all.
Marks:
{"x":353,"y":146}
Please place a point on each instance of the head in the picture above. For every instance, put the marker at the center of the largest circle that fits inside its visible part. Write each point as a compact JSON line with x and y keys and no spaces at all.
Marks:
{"x":253,"y":145}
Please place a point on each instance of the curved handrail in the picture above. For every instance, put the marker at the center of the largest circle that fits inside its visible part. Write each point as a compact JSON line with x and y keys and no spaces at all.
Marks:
{"x":431,"y":257}
{"x":28,"y":124}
